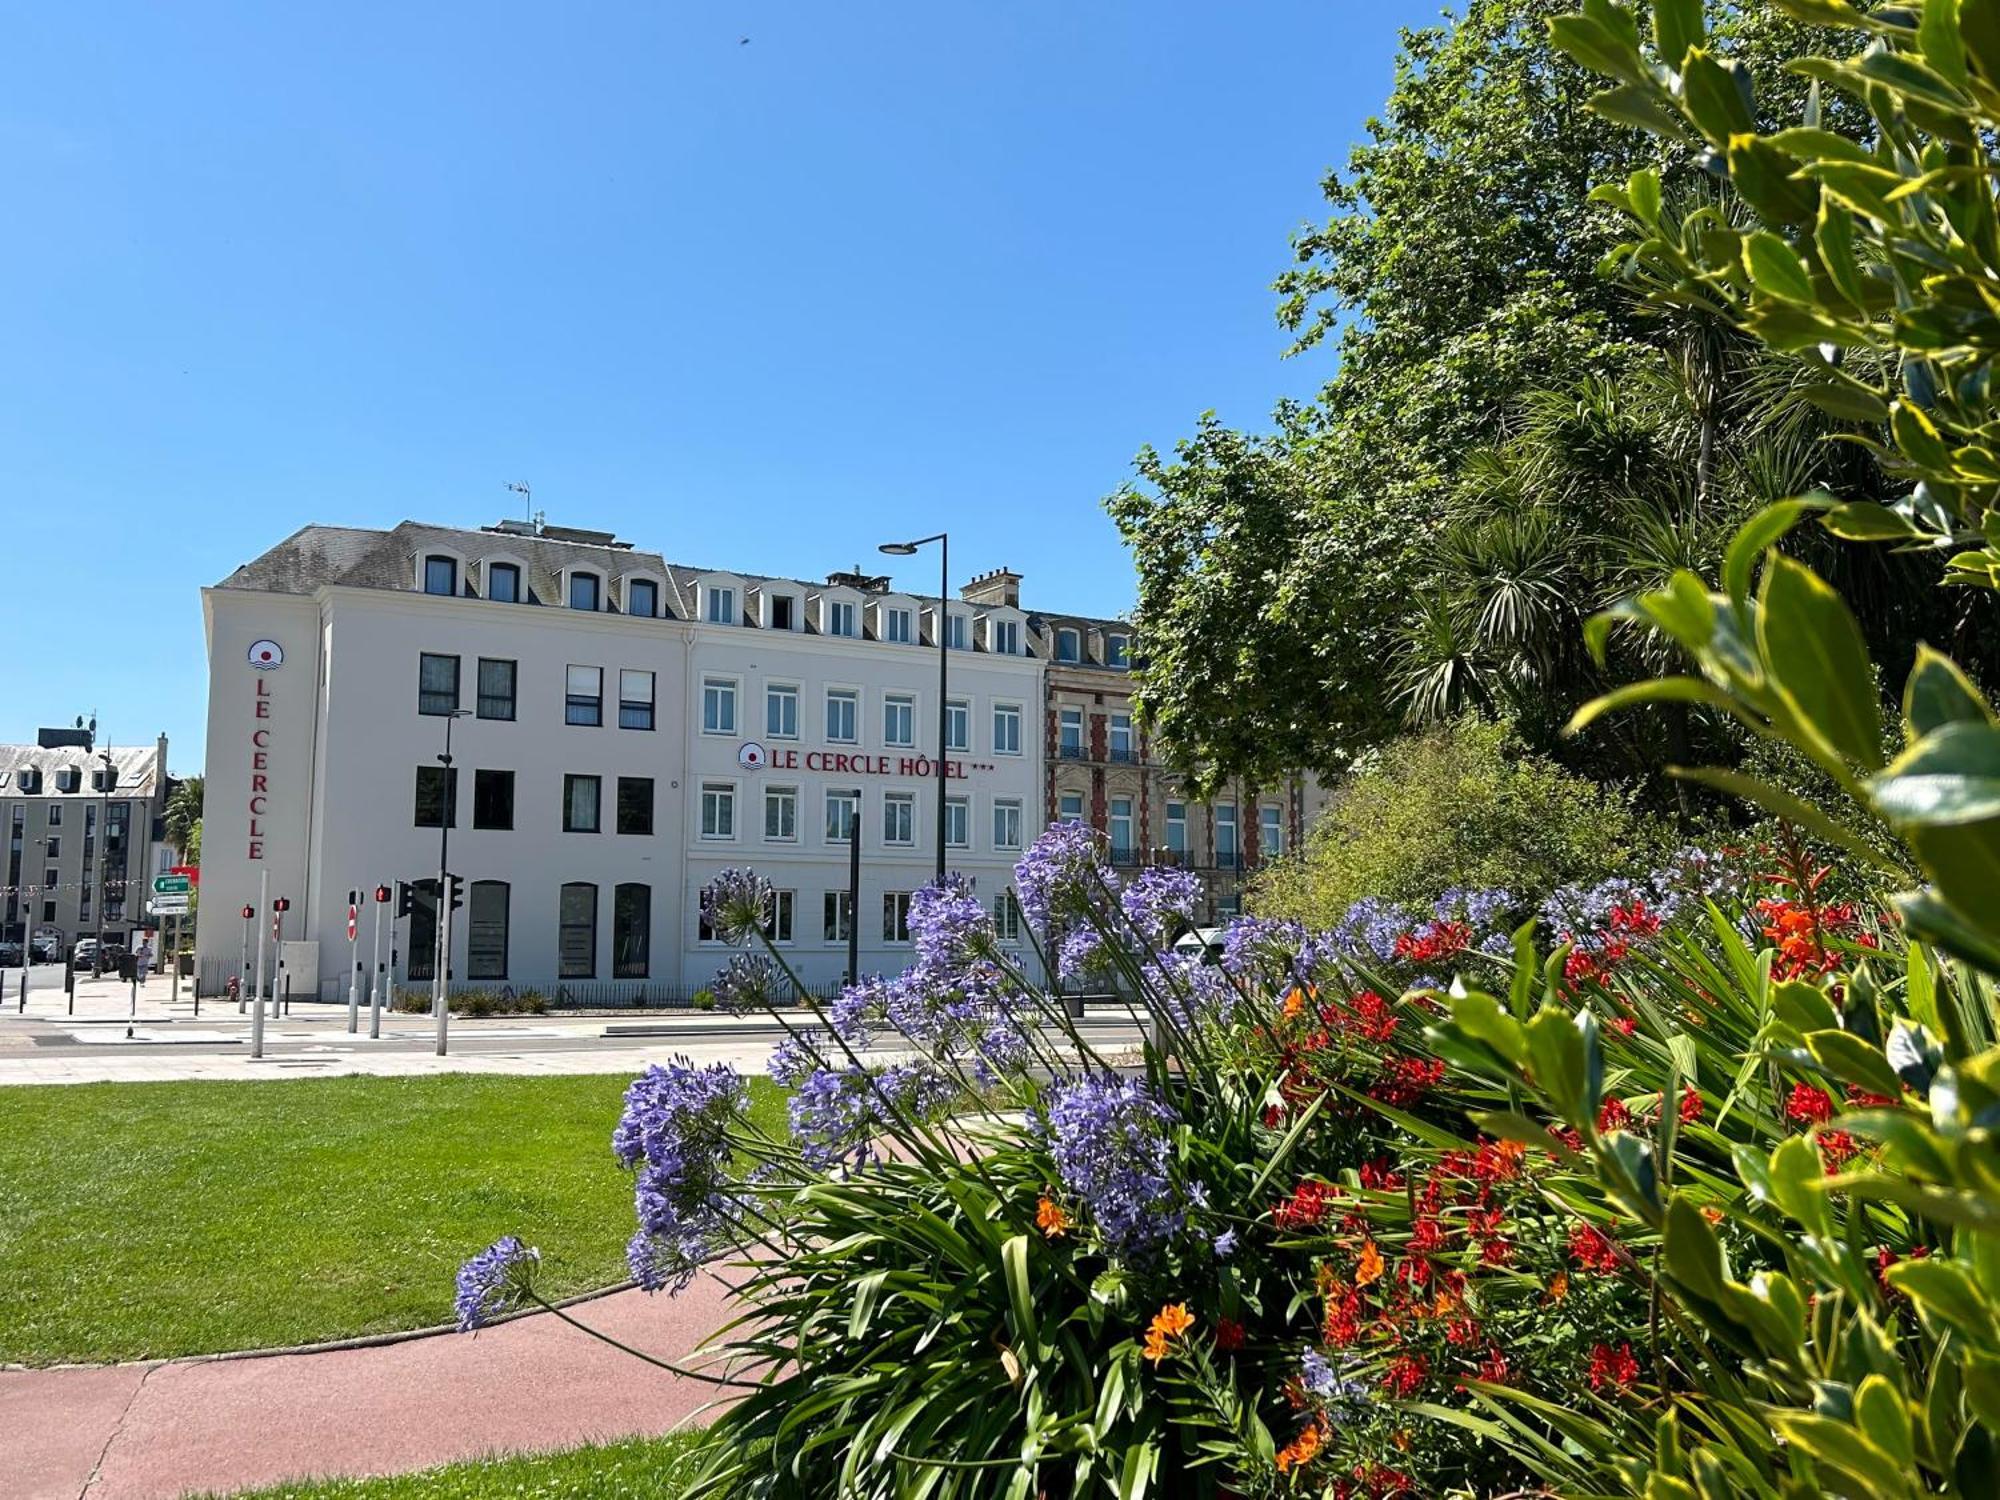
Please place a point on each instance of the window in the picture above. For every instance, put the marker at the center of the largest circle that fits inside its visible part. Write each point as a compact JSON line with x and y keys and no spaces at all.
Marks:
{"x":781,"y":813}
{"x":486,"y":929}
{"x":493,"y":799}
{"x":631,"y":930}
{"x":1121,"y":830}
{"x":584,"y":700}
{"x":1004,"y":637}
{"x":839,"y":617}
{"x":1069,"y":742}
{"x":585,"y":591}
{"x":780,"y":915}
{"x":954,"y":631}
{"x":1225,"y":833}
{"x":957,"y":725}
{"x":441,"y":575}
{"x":1007,"y":825}
{"x":54,"y":842}
{"x":899,"y":720}
{"x":781,"y":712}
{"x":895,"y":916}
{"x":1177,"y":827}
{"x":896,"y":626}
{"x":503,"y":586}
{"x":576,"y":931}
{"x":635,"y":699}
{"x":1271,"y":831}
{"x":642,"y":598}
{"x":718,"y":810}
{"x":843,"y":709}
{"x":1070,"y":807}
{"x":899,"y":818}
{"x":836,"y":916}
{"x":422,"y":962}
{"x":496,"y":688}
{"x":721,"y":606}
{"x":1068,"y":645}
{"x":842,"y":808}
{"x":1117,"y":651}
{"x":718,"y":705}
{"x":635,"y":804}
{"x":437,"y":797}
{"x":1007,"y":917}
{"x":582,"y":799}
{"x":1006,"y":729}
{"x":1123,"y":746}
{"x":784,"y":612}
{"x":55,"y":814}
{"x":957,"y":822}
{"x":437,"y":684}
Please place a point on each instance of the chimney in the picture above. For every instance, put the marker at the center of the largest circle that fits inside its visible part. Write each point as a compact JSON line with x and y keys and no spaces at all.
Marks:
{"x":854,"y":578}
{"x":1001,"y":586}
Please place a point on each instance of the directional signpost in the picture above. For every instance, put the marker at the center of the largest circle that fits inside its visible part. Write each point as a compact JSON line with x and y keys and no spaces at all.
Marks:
{"x":171,"y":896}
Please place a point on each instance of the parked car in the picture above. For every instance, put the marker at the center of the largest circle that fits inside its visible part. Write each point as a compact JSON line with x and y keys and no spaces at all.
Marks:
{"x":84,"y":954}
{"x":47,"y":948}
{"x":10,"y":955}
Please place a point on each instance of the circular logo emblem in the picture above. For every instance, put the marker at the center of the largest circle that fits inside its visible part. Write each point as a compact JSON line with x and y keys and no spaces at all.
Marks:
{"x":266,"y":655}
{"x":751,"y":756}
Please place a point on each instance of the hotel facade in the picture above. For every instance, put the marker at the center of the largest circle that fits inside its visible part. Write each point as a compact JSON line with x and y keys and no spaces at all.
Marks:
{"x":621,"y":729}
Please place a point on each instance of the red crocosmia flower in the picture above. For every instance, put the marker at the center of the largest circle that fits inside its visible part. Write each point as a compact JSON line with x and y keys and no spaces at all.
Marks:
{"x":1343,"y":1320}
{"x":1570,"y":1138}
{"x":1613,"y":1115}
{"x":1499,"y":1161}
{"x":1624,"y":1025}
{"x":1429,"y":944}
{"x":1305,"y":1209}
{"x":1427,"y":1236}
{"x":1373,"y":1018}
{"x":1691,"y":1107}
{"x":1406,"y":1374}
{"x":1228,"y":1335}
{"x":1634,"y":920}
{"x":1495,"y":1251}
{"x":1493,"y":1368}
{"x":1836,"y":1149}
{"x":1809,"y":1105}
{"x":1614,"y":1367}
{"x":1274,"y":1114}
{"x":1406,"y":1080}
{"x":1380,"y":1175}
{"x":1860,"y":1098}
{"x":1593,"y":1249}
{"x":1461,"y":1333}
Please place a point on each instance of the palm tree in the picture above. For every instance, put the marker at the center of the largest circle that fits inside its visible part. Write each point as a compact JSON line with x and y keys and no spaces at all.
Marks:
{"x":183,"y":814}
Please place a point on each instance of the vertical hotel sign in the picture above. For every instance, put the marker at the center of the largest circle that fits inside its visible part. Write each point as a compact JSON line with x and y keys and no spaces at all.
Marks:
{"x":265,"y":658}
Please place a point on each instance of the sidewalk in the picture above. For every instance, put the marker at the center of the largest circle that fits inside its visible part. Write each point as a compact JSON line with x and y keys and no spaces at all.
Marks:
{"x":160,"y":1430}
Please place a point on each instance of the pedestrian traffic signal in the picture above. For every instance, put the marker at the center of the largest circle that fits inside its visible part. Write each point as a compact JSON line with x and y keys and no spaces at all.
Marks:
{"x":281,"y":905}
{"x":354,"y":898}
{"x":381,"y":895}
{"x":456,"y":888}
{"x":249,"y":912}
{"x":406,"y":899}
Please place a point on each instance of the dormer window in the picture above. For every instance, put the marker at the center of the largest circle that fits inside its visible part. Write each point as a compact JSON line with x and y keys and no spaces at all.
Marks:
{"x":1003,"y":637}
{"x":955,"y":631}
{"x":898,"y":625}
{"x":1117,"y":651}
{"x":839,"y":617}
{"x":503,"y":583}
{"x":441,"y":576}
{"x":642,"y":598}
{"x":721,"y":606}
{"x":585,"y":591}
{"x":1069,"y":645}
{"x":784,"y":612}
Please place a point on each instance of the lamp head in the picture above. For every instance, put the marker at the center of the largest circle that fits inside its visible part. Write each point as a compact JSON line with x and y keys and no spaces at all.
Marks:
{"x":900,"y":549}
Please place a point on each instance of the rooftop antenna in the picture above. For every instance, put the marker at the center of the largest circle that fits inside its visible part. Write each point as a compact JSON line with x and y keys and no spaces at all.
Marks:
{"x":535,"y":518}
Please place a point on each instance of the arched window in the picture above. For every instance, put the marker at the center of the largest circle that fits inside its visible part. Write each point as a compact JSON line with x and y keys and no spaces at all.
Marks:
{"x":576,"y":931}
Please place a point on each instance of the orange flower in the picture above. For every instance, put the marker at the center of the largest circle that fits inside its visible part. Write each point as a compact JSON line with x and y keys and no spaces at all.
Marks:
{"x":1371,"y":1268}
{"x":1050,"y":1219}
{"x":1559,"y":1286}
{"x":1299,"y":1451}
{"x":1295,"y":1004}
{"x":1156,"y":1347}
{"x":1173,"y":1320}
{"x":1712,"y":1214}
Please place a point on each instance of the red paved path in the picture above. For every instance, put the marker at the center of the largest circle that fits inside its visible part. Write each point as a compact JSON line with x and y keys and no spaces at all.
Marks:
{"x":157,"y":1431}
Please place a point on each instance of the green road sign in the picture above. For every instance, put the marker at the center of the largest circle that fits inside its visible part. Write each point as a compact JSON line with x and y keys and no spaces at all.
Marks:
{"x":171,"y":885}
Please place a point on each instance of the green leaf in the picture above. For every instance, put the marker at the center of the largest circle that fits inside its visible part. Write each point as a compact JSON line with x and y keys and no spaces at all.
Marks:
{"x":1904,"y":74}
{"x":1979,"y":29}
{"x":1641,"y":106}
{"x":1930,"y":919}
{"x":1764,"y":176}
{"x":1949,"y":777}
{"x":1797,"y":1183}
{"x":1852,"y":1060}
{"x":1677,"y":26}
{"x":1817,"y":657}
{"x":1597,"y":48}
{"x":1884,"y":1416}
{"x":1014,"y":1258}
{"x":1938,"y":693}
{"x":1907,"y":1141}
{"x":1944,"y":1292}
{"x":1850,"y":403}
{"x":1480,"y":1016}
{"x":1776,"y":269}
{"x":1842,"y":1448}
{"x":1943,"y":47}
{"x":1868,"y":521}
{"x":1775,"y":799}
{"x":1555,"y":1049}
{"x":1757,"y":536}
{"x":1651,"y":690}
{"x":1694,"y":1254}
{"x":1714,"y":98}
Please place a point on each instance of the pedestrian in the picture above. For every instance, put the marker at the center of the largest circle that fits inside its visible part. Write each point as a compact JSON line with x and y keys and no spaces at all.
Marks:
{"x":145,"y":960}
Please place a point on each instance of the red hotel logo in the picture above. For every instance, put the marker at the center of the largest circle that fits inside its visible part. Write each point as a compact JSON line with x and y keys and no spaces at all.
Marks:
{"x":840,"y":763}
{"x":260,"y":762}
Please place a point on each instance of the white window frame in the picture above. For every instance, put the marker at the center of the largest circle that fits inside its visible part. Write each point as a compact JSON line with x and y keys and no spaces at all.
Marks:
{"x":1235,"y":827}
{"x":734,"y":685}
{"x":1019,"y":716}
{"x":907,"y":802}
{"x":1003,"y":806}
{"x":1270,"y":830}
{"x":958,"y":810}
{"x":839,"y":612}
{"x":1065,"y":717}
{"x":827,"y":798}
{"x":782,"y":928}
{"x":849,"y":694}
{"x":906,"y":703}
{"x":771,"y":598}
{"x":958,"y":716}
{"x":899,"y":624}
{"x":775,"y":690}
{"x":1177,"y":820}
{"x":1007,"y":917}
{"x":723,"y":595}
{"x":1064,"y":817}
{"x":1131,"y":818}
{"x":1117,"y":650}
{"x":895,"y":917}
{"x":1056,"y":646}
{"x":719,"y":788}
{"x":777,"y":795}
{"x":1003,"y":637}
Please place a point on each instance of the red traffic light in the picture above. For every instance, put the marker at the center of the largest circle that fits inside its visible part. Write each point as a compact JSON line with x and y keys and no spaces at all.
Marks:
{"x":381,"y":894}
{"x":281,"y":904}
{"x":249,"y":912}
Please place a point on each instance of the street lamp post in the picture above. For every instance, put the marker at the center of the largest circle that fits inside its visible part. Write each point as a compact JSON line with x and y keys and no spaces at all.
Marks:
{"x":440,"y":1001}
{"x":908,"y":549}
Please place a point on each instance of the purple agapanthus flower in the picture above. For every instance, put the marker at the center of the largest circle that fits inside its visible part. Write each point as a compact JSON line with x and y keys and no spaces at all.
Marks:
{"x":948,"y":926}
{"x":1062,"y":876}
{"x":1109,"y":1138}
{"x":1368,"y":929}
{"x":1316,"y":1373}
{"x":1161,"y":901}
{"x":494,"y":1281}
{"x":675,"y":1130}
{"x":736,"y":904}
{"x":749,"y":981}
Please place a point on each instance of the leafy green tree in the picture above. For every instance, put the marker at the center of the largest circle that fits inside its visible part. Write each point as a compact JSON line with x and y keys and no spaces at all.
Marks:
{"x":183,"y":812}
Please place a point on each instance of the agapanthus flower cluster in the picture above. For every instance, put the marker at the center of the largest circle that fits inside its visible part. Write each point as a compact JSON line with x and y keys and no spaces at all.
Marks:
{"x":1275,"y":951}
{"x":1109,"y":1137}
{"x":675,"y":1133}
{"x":840,"y":1114}
{"x":1368,"y":929}
{"x":749,"y":981}
{"x":1067,"y":893}
{"x":1161,"y":902}
{"x":736,"y":905}
{"x":949,"y":928}
{"x":495,"y":1281}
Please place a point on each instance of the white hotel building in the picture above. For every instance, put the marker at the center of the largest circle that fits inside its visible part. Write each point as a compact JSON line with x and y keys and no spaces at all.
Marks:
{"x":625,"y":728}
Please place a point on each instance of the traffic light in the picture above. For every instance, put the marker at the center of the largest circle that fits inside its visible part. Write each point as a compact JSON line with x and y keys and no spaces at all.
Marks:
{"x":456,"y":889}
{"x":381,"y":895}
{"x":406,"y":899}
{"x":353,"y":898}
{"x":249,"y":912}
{"x":282,"y":905}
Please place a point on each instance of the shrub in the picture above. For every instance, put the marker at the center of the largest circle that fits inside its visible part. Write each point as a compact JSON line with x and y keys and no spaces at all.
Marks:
{"x":1460,"y":806}
{"x":703,"y":1000}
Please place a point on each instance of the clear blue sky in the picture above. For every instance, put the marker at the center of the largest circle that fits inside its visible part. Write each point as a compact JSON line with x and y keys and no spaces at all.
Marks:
{"x":888,"y":266}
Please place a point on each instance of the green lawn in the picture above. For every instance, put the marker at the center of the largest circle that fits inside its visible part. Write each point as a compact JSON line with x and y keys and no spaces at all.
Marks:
{"x":150,"y":1219}
{"x":641,"y":1469}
